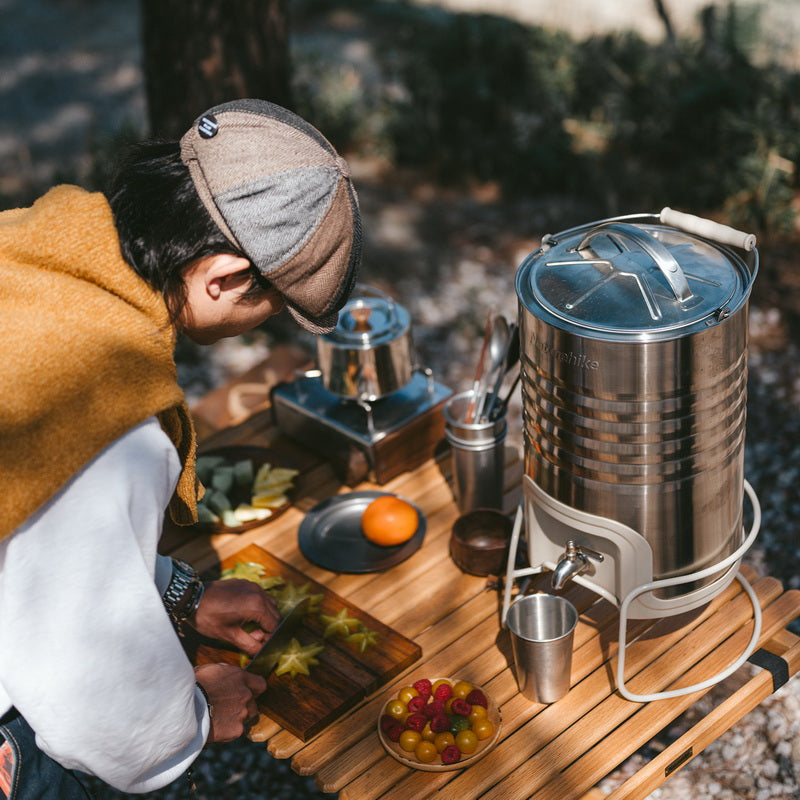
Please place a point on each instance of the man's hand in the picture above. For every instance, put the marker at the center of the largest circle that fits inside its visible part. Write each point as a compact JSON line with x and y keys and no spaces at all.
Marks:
{"x":232,"y":696}
{"x":228,"y":605}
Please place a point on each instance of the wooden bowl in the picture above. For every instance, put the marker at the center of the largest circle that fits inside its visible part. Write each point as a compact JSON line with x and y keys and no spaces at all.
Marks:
{"x":407,"y":758}
{"x":479,"y":541}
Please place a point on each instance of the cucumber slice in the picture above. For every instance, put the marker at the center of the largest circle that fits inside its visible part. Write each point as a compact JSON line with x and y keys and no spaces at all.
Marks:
{"x":205,"y":466}
{"x":243,"y":473}
{"x":217,"y":501}
{"x":205,"y":514}
{"x":222,"y":479}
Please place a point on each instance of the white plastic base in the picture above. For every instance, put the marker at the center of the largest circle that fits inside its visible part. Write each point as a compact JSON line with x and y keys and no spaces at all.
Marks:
{"x":551,"y":524}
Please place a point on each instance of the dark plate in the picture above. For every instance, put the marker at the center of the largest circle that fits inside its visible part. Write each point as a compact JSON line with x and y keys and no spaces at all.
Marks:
{"x":259,"y":456}
{"x":330,"y":536}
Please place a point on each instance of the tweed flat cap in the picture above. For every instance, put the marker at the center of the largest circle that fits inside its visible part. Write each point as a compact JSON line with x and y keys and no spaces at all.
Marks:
{"x":280,"y":192}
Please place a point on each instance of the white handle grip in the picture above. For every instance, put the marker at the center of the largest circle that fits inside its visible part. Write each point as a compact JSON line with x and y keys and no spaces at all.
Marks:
{"x":723,"y":234}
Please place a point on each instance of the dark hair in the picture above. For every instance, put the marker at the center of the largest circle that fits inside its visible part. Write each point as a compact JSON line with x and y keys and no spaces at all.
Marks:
{"x":162,"y":223}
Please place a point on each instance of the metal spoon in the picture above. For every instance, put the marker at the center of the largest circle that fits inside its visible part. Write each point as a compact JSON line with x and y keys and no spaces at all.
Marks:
{"x":510,"y":361}
{"x":498,"y":351}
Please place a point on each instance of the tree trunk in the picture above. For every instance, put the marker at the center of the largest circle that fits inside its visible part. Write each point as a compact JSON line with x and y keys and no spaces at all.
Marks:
{"x":198,"y":53}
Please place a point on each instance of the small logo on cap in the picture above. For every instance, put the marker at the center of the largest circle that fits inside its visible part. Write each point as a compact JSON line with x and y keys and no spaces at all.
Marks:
{"x":208,"y":126}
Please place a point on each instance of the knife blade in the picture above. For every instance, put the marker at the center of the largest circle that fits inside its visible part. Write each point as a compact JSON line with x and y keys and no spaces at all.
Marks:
{"x":267,"y":657}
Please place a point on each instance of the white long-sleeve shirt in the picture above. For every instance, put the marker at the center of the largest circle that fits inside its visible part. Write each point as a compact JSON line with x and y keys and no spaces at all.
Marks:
{"x":88,"y":654}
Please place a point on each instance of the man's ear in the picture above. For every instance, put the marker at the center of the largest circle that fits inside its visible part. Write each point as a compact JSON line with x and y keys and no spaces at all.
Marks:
{"x":225,"y":272}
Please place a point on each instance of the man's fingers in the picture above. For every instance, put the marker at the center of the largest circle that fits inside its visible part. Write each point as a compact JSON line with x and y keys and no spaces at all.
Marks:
{"x":257,"y":684}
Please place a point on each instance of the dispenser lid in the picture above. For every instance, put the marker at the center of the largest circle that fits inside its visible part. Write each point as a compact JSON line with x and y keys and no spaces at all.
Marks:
{"x":618,"y":277}
{"x":369,"y":319}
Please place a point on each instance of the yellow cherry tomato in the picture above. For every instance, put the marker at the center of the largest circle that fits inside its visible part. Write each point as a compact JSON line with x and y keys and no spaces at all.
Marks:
{"x":477,"y":713}
{"x":406,"y":693}
{"x":425,"y":752}
{"x":396,"y":709}
{"x":409,"y":740}
{"x":466,"y":741}
{"x":483,"y":729}
{"x":462,"y":689}
{"x":427,"y":734}
{"x":443,"y":740}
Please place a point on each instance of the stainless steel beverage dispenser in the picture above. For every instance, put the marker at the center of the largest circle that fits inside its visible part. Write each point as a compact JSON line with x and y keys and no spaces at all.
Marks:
{"x":634,"y":370}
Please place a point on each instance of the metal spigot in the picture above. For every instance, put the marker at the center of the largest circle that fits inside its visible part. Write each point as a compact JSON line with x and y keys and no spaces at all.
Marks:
{"x":574,"y":561}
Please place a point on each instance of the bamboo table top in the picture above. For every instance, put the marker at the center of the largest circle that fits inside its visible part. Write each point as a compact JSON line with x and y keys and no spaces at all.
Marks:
{"x":559,"y":751}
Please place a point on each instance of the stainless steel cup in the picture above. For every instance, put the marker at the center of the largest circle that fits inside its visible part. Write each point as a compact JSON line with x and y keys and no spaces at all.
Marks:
{"x":542,"y":629}
{"x":478,"y":453}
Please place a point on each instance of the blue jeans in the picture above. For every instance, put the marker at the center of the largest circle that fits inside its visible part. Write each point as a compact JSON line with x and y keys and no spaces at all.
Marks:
{"x":33,"y":775}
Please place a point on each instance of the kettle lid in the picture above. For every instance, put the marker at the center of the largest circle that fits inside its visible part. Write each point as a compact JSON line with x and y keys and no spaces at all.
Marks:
{"x":368,"y":319}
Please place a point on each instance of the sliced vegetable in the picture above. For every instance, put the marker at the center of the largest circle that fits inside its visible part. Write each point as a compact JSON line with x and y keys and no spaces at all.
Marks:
{"x":247,"y":513}
{"x":289,"y":595}
{"x":341,"y":624}
{"x":250,"y":571}
{"x":296,"y":659}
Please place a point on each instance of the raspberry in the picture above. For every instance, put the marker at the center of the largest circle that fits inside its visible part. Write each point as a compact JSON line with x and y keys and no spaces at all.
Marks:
{"x":443,"y":692}
{"x":460,"y":707}
{"x":394,"y":730}
{"x":451,"y":754}
{"x":416,"y":722}
{"x":440,"y":723}
{"x":416,"y":704}
{"x":477,"y":698}
{"x":423,"y":686}
{"x":387,"y":722}
{"x":433,"y":709}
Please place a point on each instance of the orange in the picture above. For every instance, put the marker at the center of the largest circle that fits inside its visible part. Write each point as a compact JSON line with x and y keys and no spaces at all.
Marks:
{"x":388,"y":520}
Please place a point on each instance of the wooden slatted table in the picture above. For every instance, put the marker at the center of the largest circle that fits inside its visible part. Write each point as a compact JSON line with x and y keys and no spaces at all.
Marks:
{"x":559,"y":752}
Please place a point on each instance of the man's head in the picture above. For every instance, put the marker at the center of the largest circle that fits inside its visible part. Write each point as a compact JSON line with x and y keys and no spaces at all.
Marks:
{"x":282,"y":196}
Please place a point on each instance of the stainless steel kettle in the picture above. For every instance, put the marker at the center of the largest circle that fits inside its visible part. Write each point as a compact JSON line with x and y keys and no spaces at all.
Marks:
{"x":369,"y":354}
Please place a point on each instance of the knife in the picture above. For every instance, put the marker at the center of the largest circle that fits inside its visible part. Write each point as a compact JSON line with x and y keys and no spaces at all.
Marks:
{"x":267,"y":657}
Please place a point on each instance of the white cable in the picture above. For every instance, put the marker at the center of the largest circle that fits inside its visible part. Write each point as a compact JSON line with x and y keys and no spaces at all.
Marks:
{"x":623,"y":614}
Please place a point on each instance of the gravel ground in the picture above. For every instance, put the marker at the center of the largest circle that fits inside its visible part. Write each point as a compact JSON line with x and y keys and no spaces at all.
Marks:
{"x":448,"y":260}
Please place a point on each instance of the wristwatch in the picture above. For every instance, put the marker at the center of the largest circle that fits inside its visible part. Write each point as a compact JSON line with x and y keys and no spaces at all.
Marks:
{"x":183,"y":594}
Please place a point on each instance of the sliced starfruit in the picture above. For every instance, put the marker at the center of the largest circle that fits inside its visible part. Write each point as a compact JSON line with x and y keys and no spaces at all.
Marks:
{"x":250,"y":571}
{"x":289,"y":595}
{"x":269,"y":499}
{"x":296,"y":659}
{"x":340,"y":624}
{"x":269,"y":477}
{"x":229,"y":519}
{"x":362,"y":638}
{"x":247,"y":513}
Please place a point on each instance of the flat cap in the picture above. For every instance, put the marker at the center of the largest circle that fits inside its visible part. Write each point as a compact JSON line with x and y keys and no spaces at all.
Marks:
{"x":280,"y":192}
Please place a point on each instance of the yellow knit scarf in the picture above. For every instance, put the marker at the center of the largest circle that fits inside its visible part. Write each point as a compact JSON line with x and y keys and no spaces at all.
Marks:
{"x":87,"y":353}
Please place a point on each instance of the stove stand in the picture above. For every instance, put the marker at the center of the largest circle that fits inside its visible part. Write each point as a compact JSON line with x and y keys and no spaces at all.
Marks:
{"x":374,"y":440}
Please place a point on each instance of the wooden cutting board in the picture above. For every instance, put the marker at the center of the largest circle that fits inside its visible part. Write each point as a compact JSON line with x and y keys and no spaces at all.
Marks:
{"x":305,"y":704}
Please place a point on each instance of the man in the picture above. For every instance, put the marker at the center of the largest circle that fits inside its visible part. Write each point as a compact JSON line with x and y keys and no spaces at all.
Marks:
{"x":251,"y":211}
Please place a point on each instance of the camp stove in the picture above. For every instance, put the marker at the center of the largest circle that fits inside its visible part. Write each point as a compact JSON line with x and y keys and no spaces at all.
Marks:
{"x":364,"y":439}
{"x":368,"y":408}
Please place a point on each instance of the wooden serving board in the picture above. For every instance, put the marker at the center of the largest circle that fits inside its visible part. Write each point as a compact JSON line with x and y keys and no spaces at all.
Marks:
{"x":305,"y":704}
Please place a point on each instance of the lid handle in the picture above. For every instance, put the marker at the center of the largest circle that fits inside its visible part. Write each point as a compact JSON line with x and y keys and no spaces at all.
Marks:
{"x":715,"y":231}
{"x":661,"y":256}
